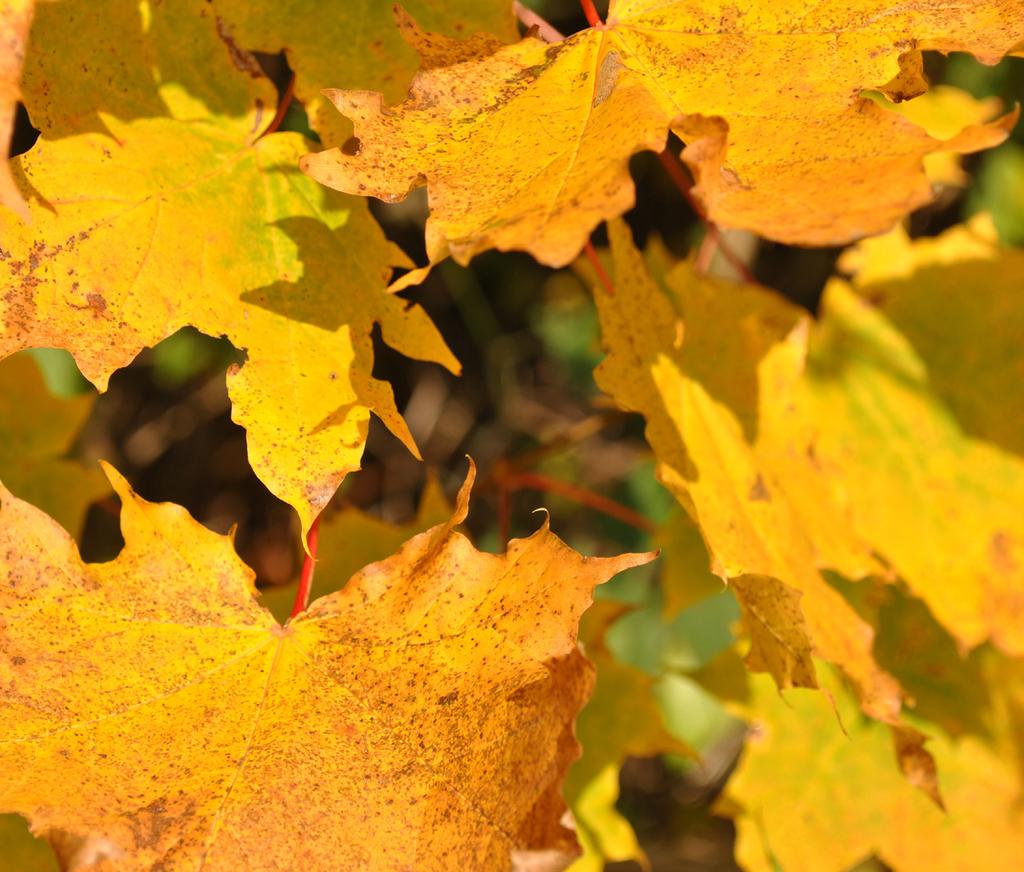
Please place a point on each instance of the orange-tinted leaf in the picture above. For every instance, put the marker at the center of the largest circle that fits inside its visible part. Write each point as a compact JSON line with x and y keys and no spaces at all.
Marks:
{"x":15,"y":21}
{"x":527,"y":147}
{"x":419,"y":718}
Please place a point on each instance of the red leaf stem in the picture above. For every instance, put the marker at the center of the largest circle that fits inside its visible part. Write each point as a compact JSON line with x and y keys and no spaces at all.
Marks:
{"x":539,"y":482}
{"x":682,"y":181}
{"x":602,"y":274}
{"x":593,"y":19}
{"x":306,"y":579}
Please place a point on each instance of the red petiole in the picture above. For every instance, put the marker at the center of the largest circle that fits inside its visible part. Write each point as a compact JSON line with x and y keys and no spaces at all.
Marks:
{"x":593,"y":19}
{"x":602,"y":274}
{"x":306,"y":578}
{"x":682,"y":181}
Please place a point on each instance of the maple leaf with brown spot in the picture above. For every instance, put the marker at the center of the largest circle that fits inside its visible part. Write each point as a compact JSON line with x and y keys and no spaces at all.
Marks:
{"x":419,"y":718}
{"x":527,"y":147}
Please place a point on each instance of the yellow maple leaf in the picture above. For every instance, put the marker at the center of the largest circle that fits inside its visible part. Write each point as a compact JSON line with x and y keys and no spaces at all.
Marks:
{"x":942,"y":112}
{"x":419,"y":718}
{"x":527,"y":147}
{"x":37,"y":431}
{"x":358,"y":47}
{"x":15,"y":21}
{"x":814,"y":799}
{"x":714,"y":368}
{"x":173,"y":211}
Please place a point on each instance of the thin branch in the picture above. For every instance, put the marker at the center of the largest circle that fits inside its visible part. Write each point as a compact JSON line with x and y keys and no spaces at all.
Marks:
{"x":306,"y":579}
{"x":597,"y":502}
{"x":282,"y":108}
{"x":569,"y":437}
{"x":593,"y":19}
{"x":682,"y":181}
{"x":545,"y":29}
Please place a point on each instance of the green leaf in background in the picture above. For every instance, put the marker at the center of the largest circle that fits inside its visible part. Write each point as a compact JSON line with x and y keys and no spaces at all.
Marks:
{"x":1000,"y":191}
{"x":20,"y":851}
{"x":38,"y":429}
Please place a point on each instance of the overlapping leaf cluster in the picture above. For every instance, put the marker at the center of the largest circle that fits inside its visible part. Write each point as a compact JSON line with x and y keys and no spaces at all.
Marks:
{"x":854,"y":480}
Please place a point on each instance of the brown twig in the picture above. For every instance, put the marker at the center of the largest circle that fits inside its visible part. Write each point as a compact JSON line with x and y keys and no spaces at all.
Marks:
{"x":545,"y":29}
{"x":537,"y":481}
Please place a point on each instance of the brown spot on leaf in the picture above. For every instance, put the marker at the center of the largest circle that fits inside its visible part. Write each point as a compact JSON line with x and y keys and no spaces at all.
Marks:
{"x":242,"y":59}
{"x":1001,"y":553}
{"x":759,"y":491}
{"x":607,"y":77}
{"x":97,"y":303}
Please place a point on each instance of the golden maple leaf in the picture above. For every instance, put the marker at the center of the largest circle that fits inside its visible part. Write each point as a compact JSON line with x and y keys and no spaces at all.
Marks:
{"x":419,"y":718}
{"x":157,"y":205}
{"x":527,"y":147}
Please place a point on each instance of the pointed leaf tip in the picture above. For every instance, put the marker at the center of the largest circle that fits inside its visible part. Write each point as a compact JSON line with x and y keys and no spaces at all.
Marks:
{"x":462,"y":499}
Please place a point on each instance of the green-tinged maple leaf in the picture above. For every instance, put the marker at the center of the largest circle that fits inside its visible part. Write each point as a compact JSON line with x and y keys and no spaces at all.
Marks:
{"x":15,"y":21}
{"x":355,"y":45}
{"x":36,"y":432}
{"x":527,"y":147}
{"x":156,"y":204}
{"x":914,"y":380}
{"x":686,"y":576}
{"x":812,"y":797}
{"x":351,"y":539}
{"x":643,"y":703}
{"x":151,"y":704}
{"x":621,"y":720}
